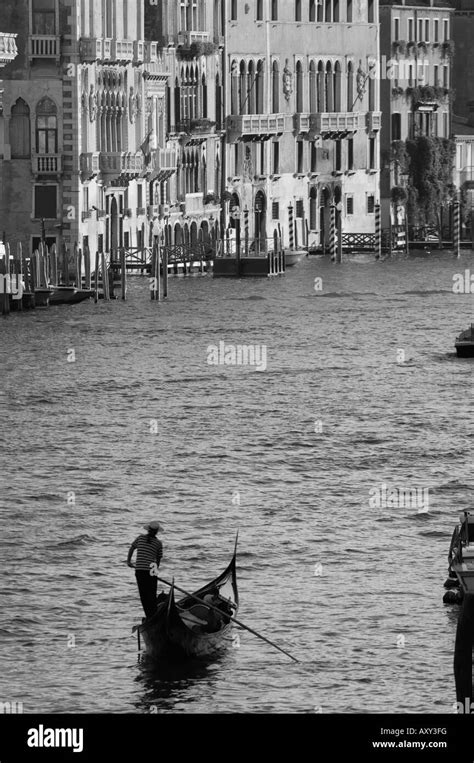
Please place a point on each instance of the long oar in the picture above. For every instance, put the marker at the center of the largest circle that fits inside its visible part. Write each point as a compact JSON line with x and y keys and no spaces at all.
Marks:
{"x":234,"y":620}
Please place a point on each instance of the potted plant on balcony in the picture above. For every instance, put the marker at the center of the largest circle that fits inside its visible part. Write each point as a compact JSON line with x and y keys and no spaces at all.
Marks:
{"x":399,"y":46}
{"x":447,"y":49}
{"x":397,"y":92}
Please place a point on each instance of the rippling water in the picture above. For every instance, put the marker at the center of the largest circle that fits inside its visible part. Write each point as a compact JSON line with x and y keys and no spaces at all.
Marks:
{"x":353,"y":591}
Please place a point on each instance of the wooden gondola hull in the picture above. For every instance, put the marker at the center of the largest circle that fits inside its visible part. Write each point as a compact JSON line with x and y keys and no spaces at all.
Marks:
{"x":166,"y":635}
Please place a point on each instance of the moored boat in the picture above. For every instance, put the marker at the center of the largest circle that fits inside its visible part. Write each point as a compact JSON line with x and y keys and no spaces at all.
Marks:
{"x":461,"y":560}
{"x":293,"y":256}
{"x":187,"y":628}
{"x":465,"y":343}
{"x":67,"y":295}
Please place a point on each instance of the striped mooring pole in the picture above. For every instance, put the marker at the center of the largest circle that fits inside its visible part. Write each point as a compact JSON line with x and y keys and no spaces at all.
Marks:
{"x":246,"y":230}
{"x":457,"y":227}
{"x":291,"y":221}
{"x":332,"y":233}
{"x":378,"y":233}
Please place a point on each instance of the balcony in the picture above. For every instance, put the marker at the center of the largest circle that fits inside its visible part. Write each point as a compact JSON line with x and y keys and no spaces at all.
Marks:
{"x":337,"y":124}
{"x":123,"y":50}
{"x":8,"y":49}
{"x":194,"y":204}
{"x":164,"y":163}
{"x":141,"y":211}
{"x":467,"y":177}
{"x":44,"y":46}
{"x":111,"y":163}
{"x":99,"y":49}
{"x":186,"y":39}
{"x":194,"y":131}
{"x":251,"y":126}
{"x":47,"y":164}
{"x":374,"y":121}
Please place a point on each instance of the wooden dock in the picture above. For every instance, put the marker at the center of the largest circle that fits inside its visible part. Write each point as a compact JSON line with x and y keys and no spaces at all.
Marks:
{"x":260,"y":258}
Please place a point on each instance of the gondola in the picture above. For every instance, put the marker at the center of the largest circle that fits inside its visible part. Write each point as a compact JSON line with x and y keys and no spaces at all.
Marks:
{"x":185,"y":628}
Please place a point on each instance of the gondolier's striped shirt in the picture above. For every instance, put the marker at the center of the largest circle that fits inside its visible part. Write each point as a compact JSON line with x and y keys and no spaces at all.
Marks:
{"x":148,"y":552}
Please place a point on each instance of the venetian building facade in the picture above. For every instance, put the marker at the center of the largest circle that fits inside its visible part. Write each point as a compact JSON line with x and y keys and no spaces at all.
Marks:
{"x":190,"y":34}
{"x":302,"y":100}
{"x":416,"y":86}
{"x":8,"y":51}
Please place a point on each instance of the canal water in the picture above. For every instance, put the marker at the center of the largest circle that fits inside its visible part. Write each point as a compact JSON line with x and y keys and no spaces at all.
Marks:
{"x":112,"y":416}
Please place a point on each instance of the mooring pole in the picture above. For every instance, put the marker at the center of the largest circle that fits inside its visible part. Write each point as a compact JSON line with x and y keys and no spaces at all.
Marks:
{"x":378,"y":233}
{"x":123,"y":273}
{"x":332,"y":233}
{"x":96,"y":278}
{"x":457,"y":227}
{"x":165,"y":271}
{"x":463,"y":652}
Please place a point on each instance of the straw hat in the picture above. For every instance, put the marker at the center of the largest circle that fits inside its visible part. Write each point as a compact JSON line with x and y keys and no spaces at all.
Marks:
{"x":154,"y":526}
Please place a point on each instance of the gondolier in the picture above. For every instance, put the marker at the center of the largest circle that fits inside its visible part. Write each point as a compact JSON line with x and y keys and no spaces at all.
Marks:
{"x":149,"y":553}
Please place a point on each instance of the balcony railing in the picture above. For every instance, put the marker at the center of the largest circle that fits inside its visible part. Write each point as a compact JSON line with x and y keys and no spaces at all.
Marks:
{"x":467,"y":176}
{"x":256,"y":124}
{"x":111,"y":163}
{"x":187,"y":38}
{"x":337,"y":122}
{"x":47,"y":164}
{"x":98,"y":49}
{"x":8,"y":49}
{"x":123,"y":50}
{"x":194,"y":203}
{"x":374,"y":121}
{"x":194,"y":127}
{"x":44,"y":46}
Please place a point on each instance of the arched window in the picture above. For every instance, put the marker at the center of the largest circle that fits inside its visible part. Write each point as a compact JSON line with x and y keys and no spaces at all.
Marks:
{"x":337,"y":87}
{"x":234,"y":88}
{"x":46,"y":127}
{"x":259,"y":84}
{"x":350,"y":86}
{"x":321,"y":88}
{"x":312,"y":10}
{"x":251,"y":87}
{"x":275,"y":88}
{"x":20,"y":130}
{"x":313,"y":88}
{"x":204,"y":96}
{"x":329,"y":87}
{"x":313,"y":209}
{"x":243,"y":89}
{"x":328,"y":10}
{"x":299,"y":88}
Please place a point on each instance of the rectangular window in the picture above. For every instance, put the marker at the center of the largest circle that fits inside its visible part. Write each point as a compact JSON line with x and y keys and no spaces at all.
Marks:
{"x":236,"y":158}
{"x":312,"y":10}
{"x":126,"y":239}
{"x":349,"y":205}
{"x":436,"y":75}
{"x":445,"y":125}
{"x":350,"y":153}
{"x":445,"y":76}
{"x":276,"y":158}
{"x":100,"y":243}
{"x":338,"y":155}
{"x":233,"y":10}
{"x":410,"y":30}
{"x":427,"y":30}
{"x":46,"y":201}
{"x":259,"y":10}
{"x":44,"y":17}
{"x":349,"y":10}
{"x":263,"y":168}
{"x":434,"y":124}
{"x":446,"y":29}
{"x":297,"y":10}
{"x":370,"y":14}
{"x":314,"y":157}
{"x":85,"y":198}
{"x":372,"y":153}
{"x":46,"y":135}
{"x":396,"y":29}
{"x":140,"y":196}
{"x":396,"y":126}
{"x":276,"y":210}
{"x":370,"y":204}
{"x":420,"y":30}
{"x":436,"y":30}
{"x":274,"y":10}
{"x":300,"y":157}
{"x":299,"y":208}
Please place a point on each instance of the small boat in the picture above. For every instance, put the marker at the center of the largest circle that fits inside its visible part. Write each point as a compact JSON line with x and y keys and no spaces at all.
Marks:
{"x":293,"y":256}
{"x":68,"y":295}
{"x":185,"y":628}
{"x":42,"y":297}
{"x":461,"y":560}
{"x":465,"y":343}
